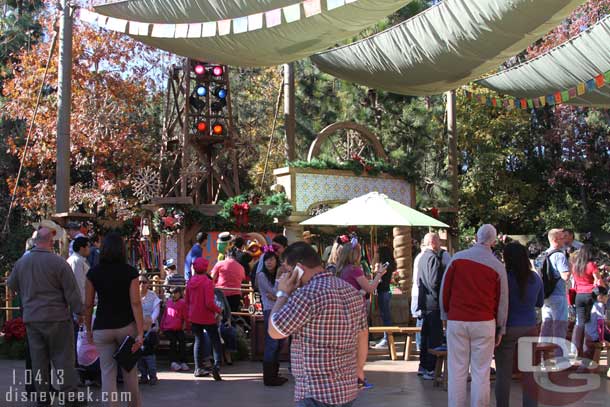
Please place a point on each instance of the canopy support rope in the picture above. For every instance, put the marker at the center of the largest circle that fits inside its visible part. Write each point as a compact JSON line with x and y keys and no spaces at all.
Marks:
{"x":5,"y":228}
{"x":277,"y":109}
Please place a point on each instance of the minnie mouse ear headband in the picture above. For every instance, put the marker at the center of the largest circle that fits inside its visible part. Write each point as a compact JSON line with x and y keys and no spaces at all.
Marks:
{"x":353,"y":239}
{"x":268,"y":249}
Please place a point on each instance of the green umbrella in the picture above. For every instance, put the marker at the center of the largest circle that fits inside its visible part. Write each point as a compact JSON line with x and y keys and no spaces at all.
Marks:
{"x":374,"y":209}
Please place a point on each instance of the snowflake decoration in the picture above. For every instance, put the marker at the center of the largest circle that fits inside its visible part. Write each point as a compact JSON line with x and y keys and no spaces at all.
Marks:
{"x":146,"y":184}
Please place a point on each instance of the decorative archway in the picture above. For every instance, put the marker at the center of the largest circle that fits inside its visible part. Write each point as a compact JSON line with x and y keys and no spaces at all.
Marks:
{"x":340,"y":141}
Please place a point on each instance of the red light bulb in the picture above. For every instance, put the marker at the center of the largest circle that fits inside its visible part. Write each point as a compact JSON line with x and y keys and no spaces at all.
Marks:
{"x":202,"y":127}
{"x":217,"y":129}
{"x":217,"y":71}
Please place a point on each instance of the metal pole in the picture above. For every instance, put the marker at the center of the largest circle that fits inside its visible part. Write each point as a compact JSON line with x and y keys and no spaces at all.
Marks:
{"x":453,"y":158}
{"x":186,"y":152}
{"x":289,"y":112}
{"x":64,"y":100}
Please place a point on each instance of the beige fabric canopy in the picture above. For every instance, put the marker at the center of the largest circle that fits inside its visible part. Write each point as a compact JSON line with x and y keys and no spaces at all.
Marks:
{"x":446,"y":46}
{"x":264,"y":46}
{"x":185,"y":11}
{"x":574,"y":62}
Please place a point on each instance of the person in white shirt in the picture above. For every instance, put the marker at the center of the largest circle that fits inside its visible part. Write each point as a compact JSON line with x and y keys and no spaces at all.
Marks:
{"x":78,"y":263}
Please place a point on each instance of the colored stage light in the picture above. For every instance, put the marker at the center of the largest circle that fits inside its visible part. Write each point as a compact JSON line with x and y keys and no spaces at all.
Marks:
{"x":201,"y":90}
{"x":218,"y":105}
{"x":220,"y":93}
{"x":196,"y":103}
{"x":202,"y":126}
{"x":218,"y":129}
{"x":217,"y":71}
{"x":199,"y":69}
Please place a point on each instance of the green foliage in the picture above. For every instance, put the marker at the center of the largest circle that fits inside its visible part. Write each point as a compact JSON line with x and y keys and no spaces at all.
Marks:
{"x":374,"y":167}
{"x":280,"y":205}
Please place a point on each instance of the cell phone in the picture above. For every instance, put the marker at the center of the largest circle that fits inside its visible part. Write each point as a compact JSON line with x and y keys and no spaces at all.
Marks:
{"x":300,"y":271}
{"x":385,"y":265}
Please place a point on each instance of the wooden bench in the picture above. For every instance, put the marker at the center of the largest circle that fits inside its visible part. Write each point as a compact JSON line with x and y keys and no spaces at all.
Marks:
{"x":410,"y":331}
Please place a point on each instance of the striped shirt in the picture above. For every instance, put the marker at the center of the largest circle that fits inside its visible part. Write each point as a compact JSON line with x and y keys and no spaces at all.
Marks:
{"x":324,"y":318}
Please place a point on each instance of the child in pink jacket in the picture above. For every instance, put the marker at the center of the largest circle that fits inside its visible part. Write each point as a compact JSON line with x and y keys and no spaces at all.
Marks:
{"x":203,"y":314}
{"x":172,"y":325}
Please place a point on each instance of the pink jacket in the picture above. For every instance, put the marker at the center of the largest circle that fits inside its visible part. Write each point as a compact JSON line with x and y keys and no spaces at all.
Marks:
{"x":174,"y":315}
{"x":199,"y":298}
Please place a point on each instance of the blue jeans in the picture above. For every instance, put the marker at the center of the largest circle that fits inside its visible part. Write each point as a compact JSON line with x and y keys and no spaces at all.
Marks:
{"x":200,"y":331}
{"x":383,"y":299}
{"x":555,"y":318}
{"x":272,"y":346}
{"x":315,"y":403}
{"x":147,"y":365}
{"x":418,"y":323}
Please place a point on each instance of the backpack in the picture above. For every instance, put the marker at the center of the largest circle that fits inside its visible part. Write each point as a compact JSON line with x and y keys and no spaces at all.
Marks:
{"x":544,"y":270}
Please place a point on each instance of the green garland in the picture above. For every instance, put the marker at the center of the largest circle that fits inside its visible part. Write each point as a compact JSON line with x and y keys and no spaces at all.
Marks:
{"x":357,"y":166}
{"x":258,"y":220}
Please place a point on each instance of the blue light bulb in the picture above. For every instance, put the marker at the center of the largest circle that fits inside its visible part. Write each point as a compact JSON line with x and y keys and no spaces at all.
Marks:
{"x":201,"y":90}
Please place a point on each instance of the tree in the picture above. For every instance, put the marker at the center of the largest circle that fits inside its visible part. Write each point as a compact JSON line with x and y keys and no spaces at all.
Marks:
{"x":114,"y":126}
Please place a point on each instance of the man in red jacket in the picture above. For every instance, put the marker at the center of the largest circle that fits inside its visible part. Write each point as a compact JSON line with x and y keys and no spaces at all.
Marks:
{"x":474,"y":301}
{"x":203,"y":314}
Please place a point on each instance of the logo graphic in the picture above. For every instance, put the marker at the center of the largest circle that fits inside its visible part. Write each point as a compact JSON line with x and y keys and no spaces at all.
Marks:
{"x":555,"y":382}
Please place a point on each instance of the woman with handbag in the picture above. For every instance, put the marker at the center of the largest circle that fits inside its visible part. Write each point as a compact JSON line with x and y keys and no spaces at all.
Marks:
{"x":586,"y":276}
{"x":118,"y":315}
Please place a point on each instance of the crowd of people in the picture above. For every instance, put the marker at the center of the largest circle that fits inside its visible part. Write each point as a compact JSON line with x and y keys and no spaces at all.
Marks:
{"x":321,"y":308}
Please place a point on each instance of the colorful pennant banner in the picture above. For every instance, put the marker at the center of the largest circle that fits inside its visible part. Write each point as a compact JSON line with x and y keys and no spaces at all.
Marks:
{"x":556,"y":98}
{"x":239,"y":25}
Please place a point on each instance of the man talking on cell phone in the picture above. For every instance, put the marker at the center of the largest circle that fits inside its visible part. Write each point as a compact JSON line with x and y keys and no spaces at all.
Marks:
{"x":324,"y":318}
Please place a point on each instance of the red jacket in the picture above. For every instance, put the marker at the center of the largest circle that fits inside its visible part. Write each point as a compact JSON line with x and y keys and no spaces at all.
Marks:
{"x":199,"y":298}
{"x":475,"y":288}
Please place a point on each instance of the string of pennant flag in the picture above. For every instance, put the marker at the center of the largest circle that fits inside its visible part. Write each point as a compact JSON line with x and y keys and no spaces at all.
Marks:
{"x":550,"y":100}
{"x":253,"y":22}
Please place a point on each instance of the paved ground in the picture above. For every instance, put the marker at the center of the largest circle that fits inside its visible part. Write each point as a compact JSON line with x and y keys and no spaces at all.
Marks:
{"x":396,"y":384}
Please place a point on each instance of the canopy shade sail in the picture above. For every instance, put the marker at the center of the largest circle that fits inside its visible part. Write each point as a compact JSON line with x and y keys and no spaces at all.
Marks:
{"x":185,"y":11}
{"x":250,"y":33}
{"x":575,"y":62}
{"x":373,"y":209}
{"x":445,"y":46}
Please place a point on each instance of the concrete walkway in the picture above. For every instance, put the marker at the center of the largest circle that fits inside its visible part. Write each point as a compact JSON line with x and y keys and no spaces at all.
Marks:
{"x":396,"y":384}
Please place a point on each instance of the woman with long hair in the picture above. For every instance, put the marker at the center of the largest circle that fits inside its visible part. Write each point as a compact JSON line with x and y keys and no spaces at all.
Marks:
{"x":526,"y":293}
{"x":348,"y":269}
{"x":586,"y":276}
{"x":266,"y":283}
{"x":119,"y":314}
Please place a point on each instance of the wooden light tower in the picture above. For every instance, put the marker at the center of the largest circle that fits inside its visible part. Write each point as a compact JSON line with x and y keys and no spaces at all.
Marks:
{"x":198,"y":119}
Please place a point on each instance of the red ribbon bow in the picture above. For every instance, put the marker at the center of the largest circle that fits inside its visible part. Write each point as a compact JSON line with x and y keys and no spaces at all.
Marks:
{"x":240,"y":211}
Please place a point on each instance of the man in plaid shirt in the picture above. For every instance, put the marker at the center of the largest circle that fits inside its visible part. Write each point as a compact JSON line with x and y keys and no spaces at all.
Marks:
{"x":324,"y":316}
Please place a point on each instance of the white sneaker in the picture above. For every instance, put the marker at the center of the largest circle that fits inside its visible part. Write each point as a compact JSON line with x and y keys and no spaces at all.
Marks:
{"x":184,"y":367}
{"x":428,"y":375}
{"x":382,"y":344}
{"x":174,"y":366}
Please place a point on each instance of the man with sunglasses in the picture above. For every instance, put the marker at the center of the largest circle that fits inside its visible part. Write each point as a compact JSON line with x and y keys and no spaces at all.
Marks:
{"x":324,"y":316}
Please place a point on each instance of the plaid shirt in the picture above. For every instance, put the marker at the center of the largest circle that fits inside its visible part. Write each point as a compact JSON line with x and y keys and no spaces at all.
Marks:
{"x":324,"y":318}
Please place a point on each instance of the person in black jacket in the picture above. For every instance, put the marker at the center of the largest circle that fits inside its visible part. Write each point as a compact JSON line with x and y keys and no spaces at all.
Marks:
{"x":384,"y":295}
{"x":430,"y":275}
